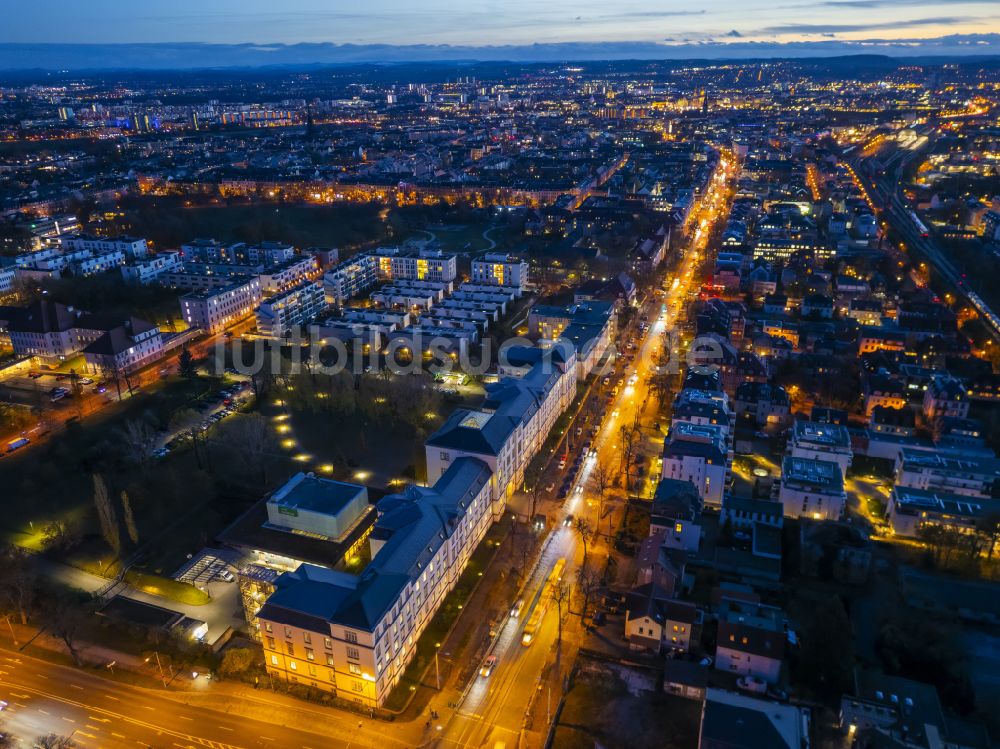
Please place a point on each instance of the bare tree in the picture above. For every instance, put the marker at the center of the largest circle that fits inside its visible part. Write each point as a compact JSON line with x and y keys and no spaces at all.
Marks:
{"x":630,"y":436}
{"x":17,"y":582}
{"x":604,"y":479}
{"x":588,"y":581}
{"x":64,"y":617}
{"x":585,"y":531}
{"x":52,"y":741}
{"x":560,"y":595}
{"x":129,"y":517}
{"x":139,"y":440}
{"x":252,"y":438}
{"x":106,"y":515}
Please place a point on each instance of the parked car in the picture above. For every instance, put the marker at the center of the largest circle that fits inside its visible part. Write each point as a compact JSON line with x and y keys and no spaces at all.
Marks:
{"x":752,"y":684}
{"x":226,"y":576}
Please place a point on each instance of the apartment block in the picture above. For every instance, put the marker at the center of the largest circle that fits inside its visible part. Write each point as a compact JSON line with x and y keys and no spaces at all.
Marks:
{"x":968,"y":475}
{"x":286,"y":312}
{"x":812,"y":488}
{"x":500,"y":269}
{"x":699,"y":454}
{"x":817,"y":441}
{"x":215,"y":309}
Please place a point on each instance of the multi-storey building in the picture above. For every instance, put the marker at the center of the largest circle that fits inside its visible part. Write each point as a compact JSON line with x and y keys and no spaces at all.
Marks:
{"x":909,"y":510}
{"x":285,"y":312}
{"x":750,"y":640}
{"x":500,"y":269}
{"x":354,"y":635}
{"x":287,"y":274}
{"x":514,"y":420}
{"x":811,"y":488}
{"x":215,"y":309}
{"x":147,"y":270}
{"x":350,"y":279}
{"x":129,"y":246}
{"x":394,"y":264}
{"x":968,"y":475}
{"x":125,"y":348}
{"x":816,"y":441}
{"x":698,"y":453}
{"x":50,"y":331}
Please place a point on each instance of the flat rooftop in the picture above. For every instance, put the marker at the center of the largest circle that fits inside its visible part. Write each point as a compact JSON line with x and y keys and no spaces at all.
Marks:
{"x":315,"y":494}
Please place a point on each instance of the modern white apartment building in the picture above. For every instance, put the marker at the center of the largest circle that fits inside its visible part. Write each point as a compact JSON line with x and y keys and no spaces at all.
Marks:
{"x":213,"y":310}
{"x":698,"y":453}
{"x":394,"y":264}
{"x":288,"y":274}
{"x":968,"y":475}
{"x":811,"y":488}
{"x":147,"y":270}
{"x":817,"y":441}
{"x":909,"y":510}
{"x":500,"y":269}
{"x":354,"y":635}
{"x":287,"y":311}
{"x":128,"y":246}
{"x":350,"y":279}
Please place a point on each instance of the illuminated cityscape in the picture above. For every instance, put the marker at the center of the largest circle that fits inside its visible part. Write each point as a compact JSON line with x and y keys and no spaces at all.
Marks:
{"x":562,"y":389}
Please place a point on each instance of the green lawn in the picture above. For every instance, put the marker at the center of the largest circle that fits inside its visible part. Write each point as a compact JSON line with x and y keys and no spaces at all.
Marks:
{"x":459,"y":237}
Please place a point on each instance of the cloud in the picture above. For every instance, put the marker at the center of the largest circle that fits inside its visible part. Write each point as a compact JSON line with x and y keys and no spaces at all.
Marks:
{"x":842,"y":28}
{"x":896,"y":3}
{"x":659,"y":13}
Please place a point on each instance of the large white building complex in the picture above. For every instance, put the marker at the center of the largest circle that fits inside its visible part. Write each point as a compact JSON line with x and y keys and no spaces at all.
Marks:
{"x":354,"y":634}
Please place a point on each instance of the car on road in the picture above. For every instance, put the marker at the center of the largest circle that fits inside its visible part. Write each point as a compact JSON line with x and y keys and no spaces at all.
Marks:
{"x":515,"y":610}
{"x":3,"y":704}
{"x":614,"y":414}
{"x":488,"y":665}
{"x":34,"y":375}
{"x":752,"y":684}
{"x":161,"y":452}
{"x":568,"y":520}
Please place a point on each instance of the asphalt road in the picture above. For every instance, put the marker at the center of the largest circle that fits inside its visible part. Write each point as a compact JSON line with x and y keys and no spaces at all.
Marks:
{"x":46,"y":698}
{"x":493,"y":709}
